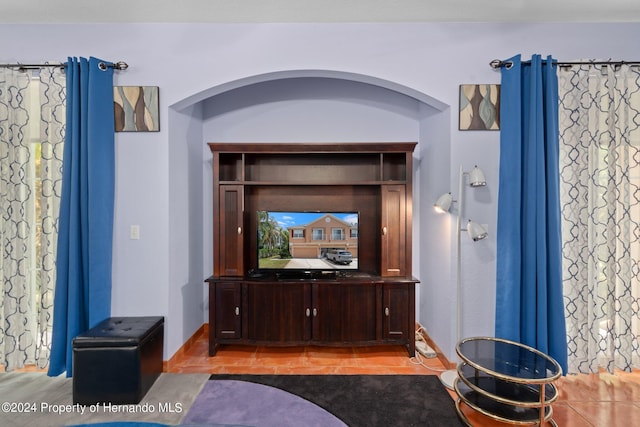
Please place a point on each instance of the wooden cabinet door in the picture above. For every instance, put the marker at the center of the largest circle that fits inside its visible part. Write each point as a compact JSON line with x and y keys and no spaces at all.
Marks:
{"x":393,"y":250}
{"x":359,"y":316}
{"x":278,"y":312}
{"x":228,"y":306}
{"x":327,"y":312}
{"x":343,"y":312}
{"x":395,"y":301}
{"x":231,"y":232}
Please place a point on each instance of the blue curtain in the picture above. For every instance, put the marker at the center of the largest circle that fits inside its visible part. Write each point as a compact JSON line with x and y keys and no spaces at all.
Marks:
{"x":529,"y":301}
{"x":83,"y":281}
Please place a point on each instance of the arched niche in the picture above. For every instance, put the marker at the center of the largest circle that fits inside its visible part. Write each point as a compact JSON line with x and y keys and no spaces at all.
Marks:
{"x":341,"y":95}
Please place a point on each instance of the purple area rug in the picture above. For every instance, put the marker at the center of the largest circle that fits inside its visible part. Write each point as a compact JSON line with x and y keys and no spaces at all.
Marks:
{"x":243,"y":403}
{"x":353,"y":400}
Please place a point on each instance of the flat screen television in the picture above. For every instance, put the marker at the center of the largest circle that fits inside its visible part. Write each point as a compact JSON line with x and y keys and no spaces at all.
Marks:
{"x":307,"y":241}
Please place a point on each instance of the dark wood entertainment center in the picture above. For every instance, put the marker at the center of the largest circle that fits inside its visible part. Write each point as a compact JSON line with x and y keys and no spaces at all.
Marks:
{"x":373,"y":305}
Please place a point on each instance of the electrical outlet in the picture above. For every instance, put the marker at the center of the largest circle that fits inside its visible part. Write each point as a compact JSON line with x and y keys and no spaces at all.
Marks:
{"x":134,"y":232}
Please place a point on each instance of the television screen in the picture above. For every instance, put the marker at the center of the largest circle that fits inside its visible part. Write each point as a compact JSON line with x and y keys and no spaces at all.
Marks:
{"x":307,"y":240}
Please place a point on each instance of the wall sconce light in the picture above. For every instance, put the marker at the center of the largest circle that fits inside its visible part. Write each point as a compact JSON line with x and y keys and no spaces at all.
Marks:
{"x":476,"y":232}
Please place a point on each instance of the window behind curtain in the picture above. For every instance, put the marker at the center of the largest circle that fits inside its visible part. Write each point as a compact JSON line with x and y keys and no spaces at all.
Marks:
{"x":600,"y":195}
{"x":32,"y":140}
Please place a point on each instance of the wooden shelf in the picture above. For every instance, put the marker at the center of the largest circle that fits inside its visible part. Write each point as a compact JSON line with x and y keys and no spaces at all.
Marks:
{"x":312,"y":147}
{"x":317,"y":163}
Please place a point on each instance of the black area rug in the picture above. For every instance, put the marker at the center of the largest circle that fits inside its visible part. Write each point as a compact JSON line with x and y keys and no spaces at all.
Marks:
{"x":369,"y":400}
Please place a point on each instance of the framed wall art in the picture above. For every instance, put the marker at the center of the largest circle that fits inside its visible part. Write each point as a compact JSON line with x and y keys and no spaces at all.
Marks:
{"x":479,"y":107}
{"x":136,"y":108}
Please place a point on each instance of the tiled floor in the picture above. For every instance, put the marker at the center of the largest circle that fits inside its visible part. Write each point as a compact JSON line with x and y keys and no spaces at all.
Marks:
{"x":603,"y":400}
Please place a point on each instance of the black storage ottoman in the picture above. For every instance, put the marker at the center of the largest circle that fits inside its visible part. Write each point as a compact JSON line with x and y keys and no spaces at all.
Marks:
{"x":118,"y":360}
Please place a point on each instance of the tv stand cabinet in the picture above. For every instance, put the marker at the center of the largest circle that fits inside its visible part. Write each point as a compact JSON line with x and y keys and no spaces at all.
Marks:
{"x":375,"y":305}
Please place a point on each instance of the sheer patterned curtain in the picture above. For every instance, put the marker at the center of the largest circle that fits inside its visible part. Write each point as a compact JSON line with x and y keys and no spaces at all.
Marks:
{"x":31,"y":140}
{"x":599,"y":116}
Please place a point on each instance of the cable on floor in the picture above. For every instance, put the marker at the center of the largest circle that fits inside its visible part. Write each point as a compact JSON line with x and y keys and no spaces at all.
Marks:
{"x":418,"y":359}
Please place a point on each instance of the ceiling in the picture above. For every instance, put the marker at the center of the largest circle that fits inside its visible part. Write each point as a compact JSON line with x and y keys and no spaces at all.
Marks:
{"x":306,"y":11}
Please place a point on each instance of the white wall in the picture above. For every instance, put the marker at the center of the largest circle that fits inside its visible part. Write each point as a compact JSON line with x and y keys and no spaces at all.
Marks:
{"x":163,"y":178}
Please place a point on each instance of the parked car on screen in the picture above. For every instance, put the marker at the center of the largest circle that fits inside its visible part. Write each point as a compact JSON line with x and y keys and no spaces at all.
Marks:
{"x":340,"y":257}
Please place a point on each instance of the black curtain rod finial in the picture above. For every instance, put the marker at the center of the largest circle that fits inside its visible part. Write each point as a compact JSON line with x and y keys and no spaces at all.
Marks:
{"x":495,"y":64}
{"x":120,"y":65}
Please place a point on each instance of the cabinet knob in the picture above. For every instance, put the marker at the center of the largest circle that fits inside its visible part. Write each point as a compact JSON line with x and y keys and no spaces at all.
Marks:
{"x":237,"y":311}
{"x":239,"y":230}
{"x":386,"y":311}
{"x":315,"y":312}
{"x":308,"y":312}
{"x":384,"y":231}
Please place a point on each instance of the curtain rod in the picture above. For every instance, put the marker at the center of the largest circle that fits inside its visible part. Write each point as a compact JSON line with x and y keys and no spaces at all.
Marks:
{"x":496,"y":63}
{"x":120,"y":65}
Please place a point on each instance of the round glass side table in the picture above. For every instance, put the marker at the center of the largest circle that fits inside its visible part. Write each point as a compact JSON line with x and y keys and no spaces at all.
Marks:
{"x":506,"y":381}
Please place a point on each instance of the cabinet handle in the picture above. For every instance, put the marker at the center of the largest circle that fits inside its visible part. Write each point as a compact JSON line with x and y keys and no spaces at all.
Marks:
{"x":386,"y":311}
{"x":315,"y":312}
{"x":384,"y":231}
{"x":239,"y":230}
{"x":307,"y":312}
{"x":237,"y":311}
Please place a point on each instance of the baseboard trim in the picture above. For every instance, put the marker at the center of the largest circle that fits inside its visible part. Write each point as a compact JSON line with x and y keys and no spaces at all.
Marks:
{"x":168,"y":365}
{"x":439,"y":353}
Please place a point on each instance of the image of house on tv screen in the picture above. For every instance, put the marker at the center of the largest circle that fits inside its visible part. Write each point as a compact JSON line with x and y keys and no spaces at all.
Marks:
{"x":307,"y":240}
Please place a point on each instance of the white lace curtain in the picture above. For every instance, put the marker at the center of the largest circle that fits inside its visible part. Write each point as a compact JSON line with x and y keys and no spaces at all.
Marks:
{"x":599,"y":118}
{"x":32,"y":122}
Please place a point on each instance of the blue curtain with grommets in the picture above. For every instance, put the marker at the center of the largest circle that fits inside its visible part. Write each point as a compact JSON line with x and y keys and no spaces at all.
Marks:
{"x":529,"y":298}
{"x":85,"y":231}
